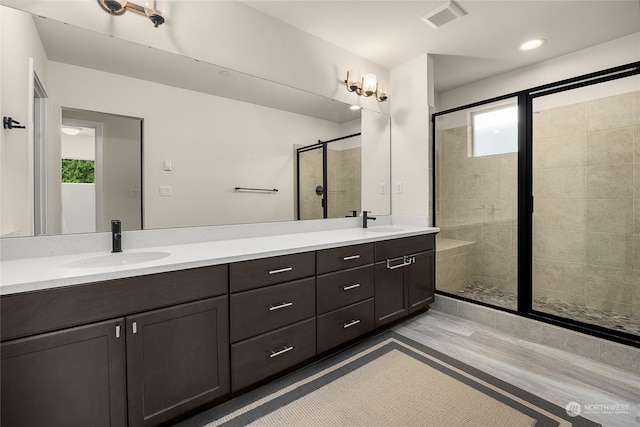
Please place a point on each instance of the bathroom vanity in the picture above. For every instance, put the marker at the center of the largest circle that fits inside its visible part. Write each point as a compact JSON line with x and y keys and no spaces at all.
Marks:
{"x":153,"y":346}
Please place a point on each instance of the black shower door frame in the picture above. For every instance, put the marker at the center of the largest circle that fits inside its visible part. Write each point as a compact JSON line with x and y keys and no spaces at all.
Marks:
{"x":526,"y":201}
{"x":325,"y":179}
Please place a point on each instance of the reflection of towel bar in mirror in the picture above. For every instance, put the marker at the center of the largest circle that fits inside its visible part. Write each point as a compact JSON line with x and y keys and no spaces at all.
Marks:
{"x":269,"y":190}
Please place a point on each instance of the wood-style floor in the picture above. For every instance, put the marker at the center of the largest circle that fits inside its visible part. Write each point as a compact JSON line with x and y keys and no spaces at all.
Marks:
{"x":552,"y":374}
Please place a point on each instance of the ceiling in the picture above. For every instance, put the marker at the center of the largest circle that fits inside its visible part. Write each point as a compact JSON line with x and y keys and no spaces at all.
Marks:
{"x":481,"y":44}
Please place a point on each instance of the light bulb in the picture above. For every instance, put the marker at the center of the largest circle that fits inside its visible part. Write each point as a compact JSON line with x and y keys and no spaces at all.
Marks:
{"x":382,"y":93}
{"x":354,"y":79}
{"x":369,"y":85}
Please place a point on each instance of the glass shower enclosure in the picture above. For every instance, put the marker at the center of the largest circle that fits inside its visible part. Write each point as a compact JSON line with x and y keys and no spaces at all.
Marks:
{"x":537,"y":195}
{"x":328,"y":183}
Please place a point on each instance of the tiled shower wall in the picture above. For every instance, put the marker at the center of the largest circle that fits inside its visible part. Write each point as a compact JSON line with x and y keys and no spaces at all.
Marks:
{"x":345,"y":171}
{"x":477,"y":202}
{"x":587,"y":203}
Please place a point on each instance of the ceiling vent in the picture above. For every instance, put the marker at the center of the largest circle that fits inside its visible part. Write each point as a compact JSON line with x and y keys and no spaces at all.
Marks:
{"x":444,"y":14}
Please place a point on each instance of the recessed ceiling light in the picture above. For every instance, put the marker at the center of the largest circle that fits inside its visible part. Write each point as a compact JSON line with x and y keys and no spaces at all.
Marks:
{"x":70,"y":131}
{"x":532,"y":44}
{"x":355,"y":107}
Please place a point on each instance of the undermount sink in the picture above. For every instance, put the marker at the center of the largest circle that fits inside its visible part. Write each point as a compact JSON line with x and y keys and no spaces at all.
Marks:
{"x":118,"y":259}
{"x":384,"y":229}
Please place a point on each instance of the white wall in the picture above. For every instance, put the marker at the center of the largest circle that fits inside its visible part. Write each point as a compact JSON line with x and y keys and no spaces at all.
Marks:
{"x":410,"y":137}
{"x":215,"y":144}
{"x":15,"y":100}
{"x":606,"y":55}
{"x":80,"y":146}
{"x":78,"y":208}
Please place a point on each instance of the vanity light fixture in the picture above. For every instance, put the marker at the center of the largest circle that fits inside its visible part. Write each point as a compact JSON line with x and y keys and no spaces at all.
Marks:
{"x":366,"y":85}
{"x":152,"y":9}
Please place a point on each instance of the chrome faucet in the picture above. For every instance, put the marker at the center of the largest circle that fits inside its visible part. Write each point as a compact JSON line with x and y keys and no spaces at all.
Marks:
{"x":365,"y":218}
{"x":116,"y":235}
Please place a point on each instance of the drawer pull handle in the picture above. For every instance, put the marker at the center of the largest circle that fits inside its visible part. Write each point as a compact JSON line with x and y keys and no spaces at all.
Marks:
{"x":278,"y":307}
{"x":405,"y":261}
{"x":282,"y":270}
{"x":349,"y":287}
{"x":278,"y":353}
{"x":349,"y":258}
{"x":350,"y":324}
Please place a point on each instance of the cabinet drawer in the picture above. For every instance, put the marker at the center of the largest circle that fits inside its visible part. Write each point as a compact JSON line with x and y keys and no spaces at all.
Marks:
{"x":404,"y":246}
{"x":346,"y":257}
{"x":253,"y":274}
{"x":342,"y":288}
{"x":260,"y":310}
{"x":261,"y":357}
{"x":345,"y":324}
{"x":47,"y":310}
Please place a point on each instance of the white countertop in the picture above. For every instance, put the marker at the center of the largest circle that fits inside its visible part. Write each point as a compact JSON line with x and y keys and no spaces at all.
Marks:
{"x":30,"y":274}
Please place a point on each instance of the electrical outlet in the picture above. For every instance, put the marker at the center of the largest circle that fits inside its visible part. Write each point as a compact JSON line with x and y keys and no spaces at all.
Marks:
{"x":399,"y":187}
{"x":165,"y":191}
{"x":383,"y":188}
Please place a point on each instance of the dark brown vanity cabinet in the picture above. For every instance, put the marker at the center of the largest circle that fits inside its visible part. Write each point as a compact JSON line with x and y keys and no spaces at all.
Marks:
{"x":272,"y":312}
{"x":405,"y":276}
{"x":164,"y":353}
{"x":344,"y":294}
{"x":73,"y":377}
{"x":146,"y":350}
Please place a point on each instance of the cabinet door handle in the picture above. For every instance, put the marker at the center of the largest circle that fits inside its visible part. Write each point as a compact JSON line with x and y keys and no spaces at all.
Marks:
{"x":405,"y":261}
{"x":278,"y":307}
{"x":278,"y":353}
{"x":350,"y":324}
{"x":349,"y":258}
{"x":134,"y":327}
{"x":117,"y":331}
{"x":281,"y":270}
{"x":349,"y":287}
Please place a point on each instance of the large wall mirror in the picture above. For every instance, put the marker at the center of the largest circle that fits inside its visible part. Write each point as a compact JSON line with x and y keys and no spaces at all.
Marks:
{"x":212,"y":139}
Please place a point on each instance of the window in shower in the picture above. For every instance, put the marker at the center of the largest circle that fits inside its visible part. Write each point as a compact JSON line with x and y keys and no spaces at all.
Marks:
{"x":476,"y":194}
{"x":494,"y":130}
{"x":586,"y":221}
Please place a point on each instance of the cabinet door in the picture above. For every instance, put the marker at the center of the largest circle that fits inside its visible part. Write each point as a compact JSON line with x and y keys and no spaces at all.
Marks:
{"x":420,"y":280}
{"x":177,"y":360}
{"x":391,"y":299}
{"x":74,"y":377}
